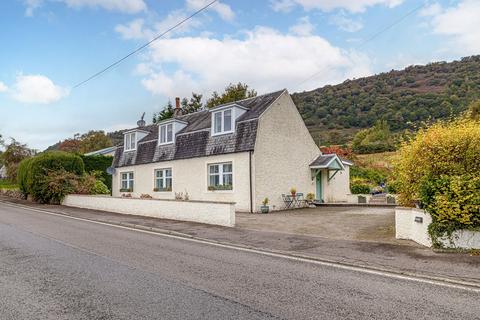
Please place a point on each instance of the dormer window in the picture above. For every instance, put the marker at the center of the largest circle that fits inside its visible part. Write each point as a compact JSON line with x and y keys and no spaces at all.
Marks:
{"x":130,"y":141}
{"x":222,"y":122}
{"x":166,"y":133}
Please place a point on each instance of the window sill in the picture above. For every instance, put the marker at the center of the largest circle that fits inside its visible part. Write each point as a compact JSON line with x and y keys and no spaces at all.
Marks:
{"x":222,"y":133}
{"x":219,"y":189}
{"x":126,"y":190}
{"x":165,"y":143}
{"x":130,"y":150}
{"x":162,"y":190}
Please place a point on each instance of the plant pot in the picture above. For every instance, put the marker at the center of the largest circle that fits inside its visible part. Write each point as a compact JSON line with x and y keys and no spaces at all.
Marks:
{"x":264,"y":209}
{"x":362,"y":199}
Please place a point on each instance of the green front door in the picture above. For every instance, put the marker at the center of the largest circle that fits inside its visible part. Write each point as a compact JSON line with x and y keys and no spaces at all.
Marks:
{"x":319,"y":193}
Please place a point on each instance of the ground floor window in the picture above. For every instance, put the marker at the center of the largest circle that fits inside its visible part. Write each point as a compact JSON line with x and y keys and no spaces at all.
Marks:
{"x":220,"y":176}
{"x":126,"y":182}
{"x":163,"y":180}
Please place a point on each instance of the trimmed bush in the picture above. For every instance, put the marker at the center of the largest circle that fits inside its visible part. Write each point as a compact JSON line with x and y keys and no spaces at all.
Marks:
{"x":359,"y":186}
{"x":100,"y":188}
{"x":49,"y":170}
{"x":99,"y":163}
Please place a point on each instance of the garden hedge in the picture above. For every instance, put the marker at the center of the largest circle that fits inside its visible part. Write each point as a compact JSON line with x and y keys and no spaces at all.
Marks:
{"x":99,"y":163}
{"x":33,"y":172}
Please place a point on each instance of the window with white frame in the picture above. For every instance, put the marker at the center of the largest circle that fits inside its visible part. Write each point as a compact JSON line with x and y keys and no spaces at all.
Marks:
{"x":220,"y":176}
{"x":126,"y":182}
{"x":222,"y":121}
{"x":166,"y":133}
{"x":163,"y":180}
{"x":130,"y":142}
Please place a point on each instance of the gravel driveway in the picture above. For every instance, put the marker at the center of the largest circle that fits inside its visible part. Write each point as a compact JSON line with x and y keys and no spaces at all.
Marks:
{"x":349,"y":223}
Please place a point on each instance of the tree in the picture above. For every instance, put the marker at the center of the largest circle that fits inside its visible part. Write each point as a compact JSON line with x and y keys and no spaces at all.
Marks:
{"x":473,"y":111}
{"x":94,"y":140}
{"x":165,"y":114}
{"x":233,"y":92}
{"x":375,"y":139}
{"x":70,"y":145}
{"x":14,"y":153}
{"x":193,"y":105}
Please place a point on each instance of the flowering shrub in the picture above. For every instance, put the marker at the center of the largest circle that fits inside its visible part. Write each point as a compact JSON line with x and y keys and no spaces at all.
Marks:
{"x":441,"y":168}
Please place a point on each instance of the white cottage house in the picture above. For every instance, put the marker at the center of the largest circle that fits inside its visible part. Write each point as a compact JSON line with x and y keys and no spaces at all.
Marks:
{"x":239,"y":152}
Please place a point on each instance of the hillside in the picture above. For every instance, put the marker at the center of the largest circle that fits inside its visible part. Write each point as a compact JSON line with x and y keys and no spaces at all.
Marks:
{"x":403,"y":98}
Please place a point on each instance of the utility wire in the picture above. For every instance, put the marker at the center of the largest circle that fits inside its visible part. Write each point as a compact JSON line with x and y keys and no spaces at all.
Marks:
{"x":145,"y":45}
{"x":375,"y":35}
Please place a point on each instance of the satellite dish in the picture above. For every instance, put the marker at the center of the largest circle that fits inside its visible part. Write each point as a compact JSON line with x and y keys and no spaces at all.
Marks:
{"x":141,"y":122}
{"x":111,"y":170}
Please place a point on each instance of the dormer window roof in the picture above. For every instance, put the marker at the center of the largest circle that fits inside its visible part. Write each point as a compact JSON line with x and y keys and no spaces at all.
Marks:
{"x":131,"y":138}
{"x":224,"y":117}
{"x":167,"y":130}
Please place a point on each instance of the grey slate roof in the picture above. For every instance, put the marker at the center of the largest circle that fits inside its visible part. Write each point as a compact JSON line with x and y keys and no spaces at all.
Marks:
{"x":195,"y":140}
{"x":322,"y":160}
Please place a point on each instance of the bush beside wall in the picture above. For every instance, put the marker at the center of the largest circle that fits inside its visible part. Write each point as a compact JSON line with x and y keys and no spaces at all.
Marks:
{"x":99,"y":163}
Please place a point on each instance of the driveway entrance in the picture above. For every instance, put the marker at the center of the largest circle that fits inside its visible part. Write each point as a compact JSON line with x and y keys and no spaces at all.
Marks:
{"x":348,"y":223}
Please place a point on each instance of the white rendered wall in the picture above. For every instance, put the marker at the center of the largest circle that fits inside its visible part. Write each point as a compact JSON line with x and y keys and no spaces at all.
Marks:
{"x":217,"y":213}
{"x":190,"y":175}
{"x":407,"y":228}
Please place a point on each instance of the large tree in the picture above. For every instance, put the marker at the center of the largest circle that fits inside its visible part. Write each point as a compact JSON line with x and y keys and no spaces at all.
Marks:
{"x":14,"y":153}
{"x":94,"y":140}
{"x":233,"y":92}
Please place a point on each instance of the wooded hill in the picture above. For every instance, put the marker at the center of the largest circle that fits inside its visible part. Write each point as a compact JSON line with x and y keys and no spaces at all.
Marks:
{"x":404,"y":98}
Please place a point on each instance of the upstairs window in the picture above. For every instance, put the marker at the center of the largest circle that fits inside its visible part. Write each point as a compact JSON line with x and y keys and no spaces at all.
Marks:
{"x":222,"y":122}
{"x":126,"y":182}
{"x":166,"y":133}
{"x":163,"y":180}
{"x":130,"y":141}
{"x":220,"y":176}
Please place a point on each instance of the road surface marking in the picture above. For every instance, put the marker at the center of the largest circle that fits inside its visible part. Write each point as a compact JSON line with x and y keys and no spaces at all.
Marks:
{"x":456,"y":284}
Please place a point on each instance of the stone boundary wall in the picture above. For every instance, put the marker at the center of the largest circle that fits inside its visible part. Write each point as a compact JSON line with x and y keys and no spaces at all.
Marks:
{"x":209,"y":212}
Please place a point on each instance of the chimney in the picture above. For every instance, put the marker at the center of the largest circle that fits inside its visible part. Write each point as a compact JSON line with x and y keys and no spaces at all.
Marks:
{"x":178,"y":111}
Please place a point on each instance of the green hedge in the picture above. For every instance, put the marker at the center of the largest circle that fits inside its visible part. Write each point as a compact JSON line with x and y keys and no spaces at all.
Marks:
{"x":33,"y":172}
{"x":99,"y":163}
{"x":360,"y":188}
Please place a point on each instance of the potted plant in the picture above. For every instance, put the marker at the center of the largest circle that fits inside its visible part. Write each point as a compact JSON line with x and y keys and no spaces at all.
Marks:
{"x":293,"y":191}
{"x":310,"y":197}
{"x":265,"y":208}
{"x":362,"y":199}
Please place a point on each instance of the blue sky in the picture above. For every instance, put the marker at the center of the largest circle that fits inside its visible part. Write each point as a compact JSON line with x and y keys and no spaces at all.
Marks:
{"x":48,"y":46}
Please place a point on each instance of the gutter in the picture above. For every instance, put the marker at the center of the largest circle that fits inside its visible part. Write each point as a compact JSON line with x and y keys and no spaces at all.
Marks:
{"x":250,"y":179}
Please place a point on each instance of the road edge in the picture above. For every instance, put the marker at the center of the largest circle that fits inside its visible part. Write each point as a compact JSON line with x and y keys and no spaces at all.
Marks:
{"x":399,"y":274}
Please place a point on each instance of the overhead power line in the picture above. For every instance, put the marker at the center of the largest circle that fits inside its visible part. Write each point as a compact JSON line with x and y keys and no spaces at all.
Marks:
{"x":145,"y":45}
{"x":372,"y":37}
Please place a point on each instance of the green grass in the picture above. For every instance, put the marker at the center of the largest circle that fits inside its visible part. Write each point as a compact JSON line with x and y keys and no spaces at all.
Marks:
{"x":5,"y":184}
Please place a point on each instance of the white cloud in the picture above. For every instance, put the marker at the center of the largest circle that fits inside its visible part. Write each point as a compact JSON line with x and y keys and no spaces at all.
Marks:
{"x":137,"y":29}
{"x":3,"y":87}
{"x":329,"y":5}
{"x":346,"y":24}
{"x":303,"y":27}
{"x":223,"y":10}
{"x":125,"y":6}
{"x":460,"y":24}
{"x":37,"y":89}
{"x":431,"y":10}
{"x":265,"y":59}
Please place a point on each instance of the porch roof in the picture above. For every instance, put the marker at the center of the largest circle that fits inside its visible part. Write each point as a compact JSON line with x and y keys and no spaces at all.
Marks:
{"x":327,"y":161}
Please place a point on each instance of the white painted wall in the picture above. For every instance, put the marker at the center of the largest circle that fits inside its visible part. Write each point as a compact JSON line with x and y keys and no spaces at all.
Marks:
{"x":337,"y":189}
{"x":284,"y":150}
{"x":407,"y":228}
{"x":217,"y":213}
{"x":190,"y":175}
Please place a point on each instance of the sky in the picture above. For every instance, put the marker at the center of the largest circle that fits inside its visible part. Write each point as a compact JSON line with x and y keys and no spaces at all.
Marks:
{"x":49,"y":46}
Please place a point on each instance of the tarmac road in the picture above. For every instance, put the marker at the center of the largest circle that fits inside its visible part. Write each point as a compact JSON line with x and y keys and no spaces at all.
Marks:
{"x":54,"y":267}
